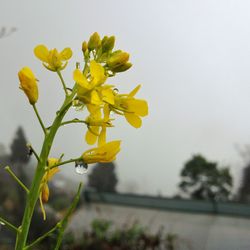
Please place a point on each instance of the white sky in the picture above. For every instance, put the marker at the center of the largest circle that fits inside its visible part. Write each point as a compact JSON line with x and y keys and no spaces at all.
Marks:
{"x":192,"y":57}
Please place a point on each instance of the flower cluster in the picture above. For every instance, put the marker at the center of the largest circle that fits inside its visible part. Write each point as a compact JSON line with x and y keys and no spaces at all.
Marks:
{"x":91,"y":92}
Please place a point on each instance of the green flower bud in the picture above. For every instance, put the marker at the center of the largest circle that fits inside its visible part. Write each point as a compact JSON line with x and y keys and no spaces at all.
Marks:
{"x":122,"y":67}
{"x":118,"y":58}
{"x":108,"y":43}
{"x":84,"y":47}
{"x":94,"y":41}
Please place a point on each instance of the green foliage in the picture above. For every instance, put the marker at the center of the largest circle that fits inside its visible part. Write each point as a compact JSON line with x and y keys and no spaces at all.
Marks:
{"x":203,"y":180}
{"x":100,"y":228}
{"x":103,"y":236}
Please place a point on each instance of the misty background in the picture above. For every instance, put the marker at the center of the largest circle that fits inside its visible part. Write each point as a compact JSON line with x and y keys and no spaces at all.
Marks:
{"x":191,"y":57}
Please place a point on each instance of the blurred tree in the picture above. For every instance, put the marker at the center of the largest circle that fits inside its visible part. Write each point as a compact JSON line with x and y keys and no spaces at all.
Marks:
{"x":103,"y":177}
{"x":202,"y":180}
{"x":244,"y":190}
{"x":243,"y":193}
{"x":19,"y":150}
{"x":4,"y":32}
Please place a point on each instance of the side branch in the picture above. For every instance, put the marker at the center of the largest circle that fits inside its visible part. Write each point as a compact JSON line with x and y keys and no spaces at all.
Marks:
{"x":66,"y":162}
{"x":9,"y":225}
{"x":33,"y":151}
{"x":73,"y":121}
{"x":62,"y":81}
{"x":39,"y":119}
{"x":63,"y":223}
{"x":8,"y":169}
{"x":41,"y":238}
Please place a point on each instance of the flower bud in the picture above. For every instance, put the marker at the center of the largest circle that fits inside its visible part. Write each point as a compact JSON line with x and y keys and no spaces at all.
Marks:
{"x":28,"y":84}
{"x":108,"y":43}
{"x":122,"y":67}
{"x":94,"y":41}
{"x":117,"y":59}
{"x":45,"y":193}
{"x":84,"y":47}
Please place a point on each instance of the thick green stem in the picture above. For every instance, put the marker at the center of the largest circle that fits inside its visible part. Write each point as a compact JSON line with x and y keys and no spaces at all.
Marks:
{"x":40,"y":170}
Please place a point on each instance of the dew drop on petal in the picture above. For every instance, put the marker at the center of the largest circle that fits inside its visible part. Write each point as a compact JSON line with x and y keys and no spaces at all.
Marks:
{"x":115,"y":91}
{"x":81,"y":167}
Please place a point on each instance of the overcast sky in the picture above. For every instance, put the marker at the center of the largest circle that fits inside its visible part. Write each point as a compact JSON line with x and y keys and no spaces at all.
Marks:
{"x":192,"y":58}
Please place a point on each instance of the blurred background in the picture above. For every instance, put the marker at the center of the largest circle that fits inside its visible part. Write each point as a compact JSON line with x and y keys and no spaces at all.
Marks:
{"x":182,"y":181}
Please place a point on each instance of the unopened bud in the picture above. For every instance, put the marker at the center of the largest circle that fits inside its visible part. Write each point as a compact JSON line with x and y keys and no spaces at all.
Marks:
{"x":108,"y":43}
{"x":28,"y":84}
{"x":118,"y":59}
{"x":84,"y":47}
{"x":94,"y":41}
{"x":45,"y":193}
{"x":122,"y":67}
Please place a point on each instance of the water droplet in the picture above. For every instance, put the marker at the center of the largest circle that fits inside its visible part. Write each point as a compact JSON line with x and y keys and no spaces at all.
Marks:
{"x":81,"y":167}
{"x":2,"y":223}
{"x":115,"y":91}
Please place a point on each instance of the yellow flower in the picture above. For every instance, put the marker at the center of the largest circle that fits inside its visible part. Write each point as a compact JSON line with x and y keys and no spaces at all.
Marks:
{"x":95,"y":123}
{"x":133,"y":109}
{"x":87,"y":91}
{"x":52,"y":59}
{"x":105,"y":153}
{"x":44,"y":188}
{"x":28,"y":84}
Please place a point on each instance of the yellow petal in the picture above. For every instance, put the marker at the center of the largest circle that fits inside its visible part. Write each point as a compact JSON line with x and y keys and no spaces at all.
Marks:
{"x":94,"y":98}
{"x":55,"y":60}
{"x":102,"y":137}
{"x":97,"y":72}
{"x":42,"y":53}
{"x":108,"y":96}
{"x":138,"y":106}
{"x":106,"y":112}
{"x":66,"y":54}
{"x":109,"y":150}
{"x":90,"y":137}
{"x":134,"y":91}
{"x":95,"y":111}
{"x":52,"y":162}
{"x":104,"y":153}
{"x":80,"y":79}
{"x":51,"y":173}
{"x":133,"y":120}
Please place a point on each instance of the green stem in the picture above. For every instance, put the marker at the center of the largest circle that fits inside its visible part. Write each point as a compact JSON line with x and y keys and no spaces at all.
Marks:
{"x":73,"y":121}
{"x":39,"y":119}
{"x":4,"y":222}
{"x":63,"y":224}
{"x":33,"y":151}
{"x":40,"y":170}
{"x":8,"y":169}
{"x":60,"y":225}
{"x":62,"y":81}
{"x":66,"y":162}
